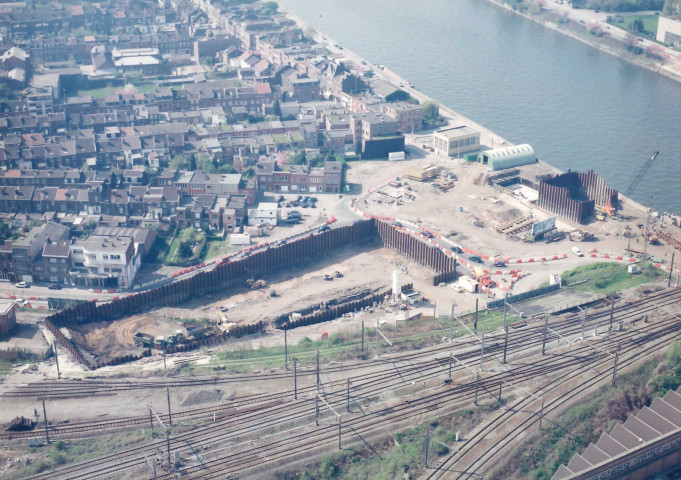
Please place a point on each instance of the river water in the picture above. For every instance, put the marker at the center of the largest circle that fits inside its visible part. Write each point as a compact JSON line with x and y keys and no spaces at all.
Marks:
{"x":578,"y":107}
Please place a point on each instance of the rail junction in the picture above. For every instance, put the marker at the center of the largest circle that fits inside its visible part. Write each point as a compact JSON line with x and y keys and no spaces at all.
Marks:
{"x":527,"y":375}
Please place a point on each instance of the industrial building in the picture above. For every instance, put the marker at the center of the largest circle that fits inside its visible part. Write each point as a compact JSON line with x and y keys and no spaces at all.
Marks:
{"x":508,"y":157}
{"x":574,"y":195}
{"x":456,"y":140}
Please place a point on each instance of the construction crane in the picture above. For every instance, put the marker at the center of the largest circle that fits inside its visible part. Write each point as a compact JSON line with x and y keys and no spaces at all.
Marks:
{"x":640,"y":174}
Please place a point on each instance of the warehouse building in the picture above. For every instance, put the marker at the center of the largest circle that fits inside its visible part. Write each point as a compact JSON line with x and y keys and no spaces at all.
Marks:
{"x":508,"y":157}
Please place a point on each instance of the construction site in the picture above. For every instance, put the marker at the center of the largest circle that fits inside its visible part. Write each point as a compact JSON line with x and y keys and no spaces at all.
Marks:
{"x":436,"y":289}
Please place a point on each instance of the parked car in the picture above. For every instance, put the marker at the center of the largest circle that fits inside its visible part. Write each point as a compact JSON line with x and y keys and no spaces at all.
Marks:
{"x":457,"y":249}
{"x":427,"y":234}
{"x":294,"y":213}
{"x":499,"y":264}
{"x":323,"y":228}
{"x":475,"y":258}
{"x":54,"y":286}
{"x":23,"y":285}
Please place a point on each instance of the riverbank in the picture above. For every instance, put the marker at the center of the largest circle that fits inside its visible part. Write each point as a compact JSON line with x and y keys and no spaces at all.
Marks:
{"x":488,"y":138}
{"x":671,"y":70}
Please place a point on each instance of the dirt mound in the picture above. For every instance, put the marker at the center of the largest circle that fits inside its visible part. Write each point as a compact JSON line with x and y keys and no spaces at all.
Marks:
{"x":198,"y":397}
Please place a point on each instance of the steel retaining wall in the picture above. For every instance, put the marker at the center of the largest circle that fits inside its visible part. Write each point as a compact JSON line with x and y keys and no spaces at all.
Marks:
{"x":235,"y":272}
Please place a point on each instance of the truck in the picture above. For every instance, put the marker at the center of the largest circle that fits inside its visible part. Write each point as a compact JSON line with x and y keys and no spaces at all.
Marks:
{"x":143,"y":339}
{"x":577,"y":252}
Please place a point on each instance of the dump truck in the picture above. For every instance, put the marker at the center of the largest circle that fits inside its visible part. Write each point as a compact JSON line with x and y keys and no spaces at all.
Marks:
{"x":143,"y":339}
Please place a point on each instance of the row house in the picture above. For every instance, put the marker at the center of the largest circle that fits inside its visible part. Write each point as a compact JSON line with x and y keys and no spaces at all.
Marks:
{"x":298,"y":178}
{"x":210,"y":212}
{"x":68,"y":153}
{"x":41,"y":178}
{"x":23,"y":257}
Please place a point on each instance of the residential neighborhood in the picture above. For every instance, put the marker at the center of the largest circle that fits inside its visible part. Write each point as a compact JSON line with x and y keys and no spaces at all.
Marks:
{"x":126,"y":121}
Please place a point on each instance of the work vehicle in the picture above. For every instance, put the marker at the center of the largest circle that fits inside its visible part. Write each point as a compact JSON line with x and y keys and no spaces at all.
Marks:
{"x":143,"y":339}
{"x":23,"y":285}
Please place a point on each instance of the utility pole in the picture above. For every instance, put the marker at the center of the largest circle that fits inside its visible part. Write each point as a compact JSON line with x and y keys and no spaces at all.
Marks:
{"x":671,"y":270}
{"x":614,"y":370}
{"x":583,"y":312}
{"x":295,"y":379}
{"x":505,"y":304}
{"x":546,"y":331}
{"x":285,"y":350}
{"x":316,"y":396}
{"x":612,"y":312}
{"x":541,"y":414}
{"x":362,"y":337}
{"x":166,"y":431}
{"x":47,"y":434}
{"x":427,"y":443}
{"x":56,"y":357}
{"x":377,"y":346}
{"x":475,"y":325}
{"x":482,"y":350}
{"x":477,"y":384}
{"x":505,"y":341}
{"x":165,"y":374}
{"x":348,"y":403}
{"x":451,"y":327}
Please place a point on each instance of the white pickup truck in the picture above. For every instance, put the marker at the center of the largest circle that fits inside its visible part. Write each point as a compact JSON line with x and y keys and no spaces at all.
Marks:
{"x":577,"y":252}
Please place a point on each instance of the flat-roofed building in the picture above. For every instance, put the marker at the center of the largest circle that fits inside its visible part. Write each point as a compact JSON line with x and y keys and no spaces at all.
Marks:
{"x":103,"y":261}
{"x":669,"y":30}
{"x":454,"y":141}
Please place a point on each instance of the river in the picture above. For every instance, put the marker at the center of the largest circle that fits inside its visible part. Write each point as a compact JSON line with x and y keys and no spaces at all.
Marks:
{"x":578,"y":107}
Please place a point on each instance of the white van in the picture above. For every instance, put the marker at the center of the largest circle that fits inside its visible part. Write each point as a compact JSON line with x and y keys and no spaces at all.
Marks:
{"x":577,"y":252}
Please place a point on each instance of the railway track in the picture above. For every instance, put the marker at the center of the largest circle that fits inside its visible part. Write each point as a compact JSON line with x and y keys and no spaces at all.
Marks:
{"x":294,"y":411}
{"x":69,"y":389}
{"x":290,"y":446}
{"x":518,"y":340}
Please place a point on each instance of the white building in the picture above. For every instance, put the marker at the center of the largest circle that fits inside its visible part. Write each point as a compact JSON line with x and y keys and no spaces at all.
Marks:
{"x":101,"y":258}
{"x":265,"y":213}
{"x":669,"y":30}
{"x":456,"y":140}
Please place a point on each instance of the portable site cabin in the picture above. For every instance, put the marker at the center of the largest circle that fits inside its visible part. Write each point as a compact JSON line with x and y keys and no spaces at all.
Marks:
{"x":508,"y":157}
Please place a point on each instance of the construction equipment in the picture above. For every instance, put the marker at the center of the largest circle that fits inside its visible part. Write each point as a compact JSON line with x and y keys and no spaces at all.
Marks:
{"x":143,"y":339}
{"x":255,"y":284}
{"x":640,"y":174}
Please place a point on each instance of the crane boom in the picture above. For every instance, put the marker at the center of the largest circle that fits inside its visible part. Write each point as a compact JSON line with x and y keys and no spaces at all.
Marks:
{"x":640,"y":174}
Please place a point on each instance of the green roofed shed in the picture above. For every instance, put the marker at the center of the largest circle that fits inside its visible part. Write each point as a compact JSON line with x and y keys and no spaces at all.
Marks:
{"x":508,"y":157}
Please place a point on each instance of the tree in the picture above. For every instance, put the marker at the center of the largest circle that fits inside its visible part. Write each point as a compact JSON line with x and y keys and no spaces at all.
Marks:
{"x":192,"y":162}
{"x":277,"y":108}
{"x":269,"y":8}
{"x":299,"y":158}
{"x":431,"y":111}
{"x":133,"y":76}
{"x":184,"y":250}
{"x":178,"y":161}
{"x":369,"y":73}
{"x":205,"y":164}
{"x":637,"y":26}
